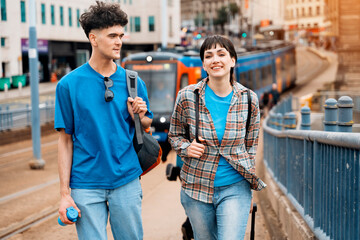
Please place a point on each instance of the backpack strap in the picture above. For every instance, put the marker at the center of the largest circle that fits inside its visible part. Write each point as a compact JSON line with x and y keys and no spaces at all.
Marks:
{"x":197,"y":116}
{"x":131,"y":82}
{"x":249,"y":112}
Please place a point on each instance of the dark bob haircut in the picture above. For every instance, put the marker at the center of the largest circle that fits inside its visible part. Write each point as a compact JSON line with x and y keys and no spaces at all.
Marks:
{"x":102,"y":15}
{"x":211,"y":42}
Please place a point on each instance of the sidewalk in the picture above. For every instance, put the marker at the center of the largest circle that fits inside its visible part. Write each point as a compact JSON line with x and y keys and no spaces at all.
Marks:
{"x":162,"y":212}
{"x":15,"y":94}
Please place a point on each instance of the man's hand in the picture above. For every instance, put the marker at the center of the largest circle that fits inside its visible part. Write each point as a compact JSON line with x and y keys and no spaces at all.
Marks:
{"x":136,"y":105}
{"x":65,"y":202}
{"x":196,"y":150}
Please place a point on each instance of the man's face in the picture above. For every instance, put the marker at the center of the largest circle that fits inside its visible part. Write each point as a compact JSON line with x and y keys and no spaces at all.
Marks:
{"x":107,"y":41}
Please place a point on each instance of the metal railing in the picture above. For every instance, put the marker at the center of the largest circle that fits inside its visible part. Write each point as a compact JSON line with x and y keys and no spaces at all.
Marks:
{"x":18,"y":115}
{"x":319,"y":172}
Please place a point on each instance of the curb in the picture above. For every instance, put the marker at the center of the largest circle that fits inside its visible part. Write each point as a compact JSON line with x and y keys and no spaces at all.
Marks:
{"x":292,"y":222}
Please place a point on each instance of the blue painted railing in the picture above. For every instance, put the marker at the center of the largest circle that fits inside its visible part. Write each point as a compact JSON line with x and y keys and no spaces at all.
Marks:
{"x":13,"y":116}
{"x":320,"y":174}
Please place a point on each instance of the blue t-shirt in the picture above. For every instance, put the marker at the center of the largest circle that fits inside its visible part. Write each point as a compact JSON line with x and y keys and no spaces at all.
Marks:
{"x":102,"y":132}
{"x":218,"y":108}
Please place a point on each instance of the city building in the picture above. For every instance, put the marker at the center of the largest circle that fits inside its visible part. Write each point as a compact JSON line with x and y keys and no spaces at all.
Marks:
{"x":305,"y":20}
{"x":62,"y":44}
{"x":344,"y":37}
{"x":202,"y":15}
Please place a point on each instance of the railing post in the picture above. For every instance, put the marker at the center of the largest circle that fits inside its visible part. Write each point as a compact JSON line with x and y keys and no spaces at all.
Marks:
{"x":290,"y":120}
{"x":279,"y":120}
{"x":305,"y":118}
{"x":28,"y":115}
{"x":1,"y":119}
{"x":272,"y":120}
{"x":330,"y":115}
{"x":345,"y":116}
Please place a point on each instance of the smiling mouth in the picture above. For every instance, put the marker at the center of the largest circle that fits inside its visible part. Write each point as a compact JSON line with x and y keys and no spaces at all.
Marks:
{"x":216,"y":68}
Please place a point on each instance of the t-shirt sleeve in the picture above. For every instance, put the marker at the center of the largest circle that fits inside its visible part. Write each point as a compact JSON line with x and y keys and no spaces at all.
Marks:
{"x":64,"y":114}
{"x":142,"y":92}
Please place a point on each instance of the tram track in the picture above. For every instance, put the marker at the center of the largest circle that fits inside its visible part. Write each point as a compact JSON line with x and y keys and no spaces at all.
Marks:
{"x":16,"y":157}
{"x":29,"y":222}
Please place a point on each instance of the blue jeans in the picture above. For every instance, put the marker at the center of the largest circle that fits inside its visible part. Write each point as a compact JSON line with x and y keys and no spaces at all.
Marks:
{"x":224,"y":219}
{"x":123,"y":204}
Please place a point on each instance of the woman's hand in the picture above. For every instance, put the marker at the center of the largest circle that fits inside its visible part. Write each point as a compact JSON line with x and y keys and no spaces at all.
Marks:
{"x":196,"y":150}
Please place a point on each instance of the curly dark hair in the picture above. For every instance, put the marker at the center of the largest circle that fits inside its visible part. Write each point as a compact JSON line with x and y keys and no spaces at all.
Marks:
{"x":211,"y":42}
{"x":102,"y":15}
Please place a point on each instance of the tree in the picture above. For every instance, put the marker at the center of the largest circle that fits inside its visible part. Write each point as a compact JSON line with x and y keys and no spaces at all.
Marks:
{"x":221,"y":17}
{"x":199,"y":20}
{"x":233,"y":9}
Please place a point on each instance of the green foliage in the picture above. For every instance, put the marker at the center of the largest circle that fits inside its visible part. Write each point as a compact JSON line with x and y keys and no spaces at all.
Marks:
{"x":222,"y":16}
{"x":233,"y":9}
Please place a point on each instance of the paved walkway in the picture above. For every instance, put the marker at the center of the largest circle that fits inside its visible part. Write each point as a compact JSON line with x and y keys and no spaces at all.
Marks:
{"x":162,"y":211}
{"x":16,"y":94}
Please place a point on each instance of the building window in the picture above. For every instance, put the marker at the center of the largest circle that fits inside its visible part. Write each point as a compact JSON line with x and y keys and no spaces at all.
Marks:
{"x":151,"y":24}
{"x":78,"y":17}
{"x":303,"y":12}
{"x":137,"y":24}
{"x":124,"y":1}
{"x":62,"y":16}
{"x":170,"y":27}
{"x":70,"y":17}
{"x":43,"y":14}
{"x":3,"y":10}
{"x":318,"y":10}
{"x":131,"y":24}
{"x":52,"y":9}
{"x":2,"y":42}
{"x":310,"y":11}
{"x":23,"y":11}
{"x":130,"y":2}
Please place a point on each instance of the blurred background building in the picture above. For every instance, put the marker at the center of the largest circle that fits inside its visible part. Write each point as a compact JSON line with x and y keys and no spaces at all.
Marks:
{"x":234,"y":18}
{"x":62,"y":44}
{"x":305,"y":21}
{"x":344,"y":33}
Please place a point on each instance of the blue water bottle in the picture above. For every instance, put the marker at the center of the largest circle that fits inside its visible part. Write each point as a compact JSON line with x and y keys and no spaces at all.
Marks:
{"x":71,"y":214}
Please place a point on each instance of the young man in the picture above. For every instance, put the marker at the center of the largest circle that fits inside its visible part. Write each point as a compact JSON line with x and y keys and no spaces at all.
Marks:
{"x":94,"y":116}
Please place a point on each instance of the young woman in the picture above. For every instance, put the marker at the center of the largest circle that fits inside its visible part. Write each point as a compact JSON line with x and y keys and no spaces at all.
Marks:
{"x":219,"y":171}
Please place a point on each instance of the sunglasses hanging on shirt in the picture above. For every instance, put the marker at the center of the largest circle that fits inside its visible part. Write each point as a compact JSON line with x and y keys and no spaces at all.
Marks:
{"x":109,"y":95}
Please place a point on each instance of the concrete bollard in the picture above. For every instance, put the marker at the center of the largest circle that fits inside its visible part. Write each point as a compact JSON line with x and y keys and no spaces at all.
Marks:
{"x":289,"y":103}
{"x":305,"y":118}
{"x":279,"y":120}
{"x":345,"y":114}
{"x":272,"y":119}
{"x":330,"y":118}
{"x":290,"y":120}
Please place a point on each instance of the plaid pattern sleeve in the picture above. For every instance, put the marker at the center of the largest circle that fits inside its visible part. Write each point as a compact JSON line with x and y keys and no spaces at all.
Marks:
{"x":178,"y":133}
{"x":198,"y":175}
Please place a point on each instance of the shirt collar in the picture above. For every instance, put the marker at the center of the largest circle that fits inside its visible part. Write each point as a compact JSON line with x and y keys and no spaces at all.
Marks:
{"x":200,"y":86}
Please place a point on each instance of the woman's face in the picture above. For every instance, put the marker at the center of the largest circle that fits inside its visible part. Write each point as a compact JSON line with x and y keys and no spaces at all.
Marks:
{"x":218,"y":62}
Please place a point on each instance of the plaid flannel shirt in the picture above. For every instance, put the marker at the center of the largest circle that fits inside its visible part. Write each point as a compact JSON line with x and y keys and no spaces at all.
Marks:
{"x":198,"y":175}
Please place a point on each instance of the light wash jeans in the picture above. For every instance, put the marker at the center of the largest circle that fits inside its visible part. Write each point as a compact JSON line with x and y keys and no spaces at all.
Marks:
{"x":224,"y":219}
{"x":123,"y":204}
